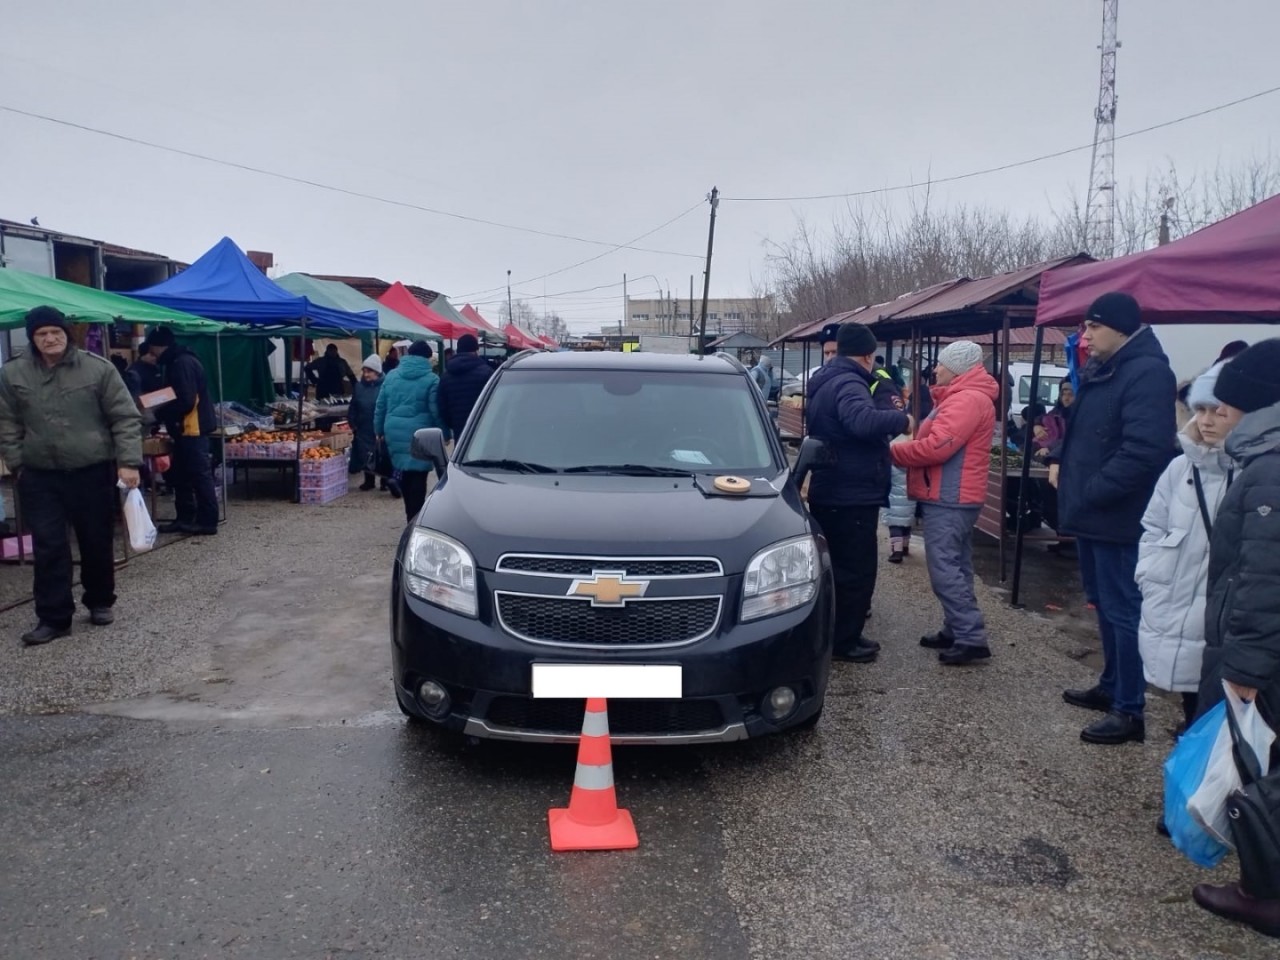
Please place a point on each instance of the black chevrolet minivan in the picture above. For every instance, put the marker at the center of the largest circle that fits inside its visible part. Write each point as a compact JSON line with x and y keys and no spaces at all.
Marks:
{"x":613,"y":508}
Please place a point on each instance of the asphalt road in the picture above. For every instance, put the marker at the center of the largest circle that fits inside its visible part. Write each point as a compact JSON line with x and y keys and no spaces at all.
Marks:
{"x":224,"y":774}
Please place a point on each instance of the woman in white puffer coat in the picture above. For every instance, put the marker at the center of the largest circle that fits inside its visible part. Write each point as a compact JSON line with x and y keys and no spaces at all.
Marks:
{"x":1173,"y":557}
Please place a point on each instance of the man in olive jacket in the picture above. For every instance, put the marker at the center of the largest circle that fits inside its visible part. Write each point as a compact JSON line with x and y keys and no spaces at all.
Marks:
{"x":68,"y":431}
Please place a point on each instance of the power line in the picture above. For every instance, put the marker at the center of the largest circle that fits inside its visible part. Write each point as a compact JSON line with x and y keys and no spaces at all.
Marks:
{"x":1006,"y":166}
{"x":580,"y":263}
{"x":343,"y":190}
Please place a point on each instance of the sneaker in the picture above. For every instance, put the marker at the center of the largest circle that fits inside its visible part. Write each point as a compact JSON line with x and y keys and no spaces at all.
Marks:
{"x":175,"y":526}
{"x":43,"y":633}
{"x":896,"y":556}
{"x":1115,"y":728}
{"x":102,"y":616}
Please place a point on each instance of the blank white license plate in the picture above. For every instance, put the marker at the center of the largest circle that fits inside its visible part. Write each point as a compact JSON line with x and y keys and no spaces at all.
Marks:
{"x":616,"y":681}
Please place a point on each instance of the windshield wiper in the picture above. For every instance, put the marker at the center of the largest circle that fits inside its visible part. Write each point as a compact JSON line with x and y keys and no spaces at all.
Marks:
{"x":631,"y":470}
{"x":516,"y":466}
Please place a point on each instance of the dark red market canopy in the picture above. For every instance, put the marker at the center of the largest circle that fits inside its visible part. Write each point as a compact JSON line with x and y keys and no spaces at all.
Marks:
{"x":1228,"y":272}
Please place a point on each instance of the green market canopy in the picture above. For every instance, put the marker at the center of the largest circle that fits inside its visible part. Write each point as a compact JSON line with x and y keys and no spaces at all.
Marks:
{"x":21,"y":292}
{"x":332,"y":293}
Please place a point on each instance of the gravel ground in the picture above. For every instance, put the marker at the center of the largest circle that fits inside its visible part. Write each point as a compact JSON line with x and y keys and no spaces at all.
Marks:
{"x":176,"y":602}
{"x":934,"y":813}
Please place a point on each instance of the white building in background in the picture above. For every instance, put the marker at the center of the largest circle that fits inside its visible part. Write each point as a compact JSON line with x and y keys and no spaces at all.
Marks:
{"x":672,"y":317}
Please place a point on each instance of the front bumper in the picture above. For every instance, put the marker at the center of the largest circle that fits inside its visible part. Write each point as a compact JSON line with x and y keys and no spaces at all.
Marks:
{"x":488,"y":674}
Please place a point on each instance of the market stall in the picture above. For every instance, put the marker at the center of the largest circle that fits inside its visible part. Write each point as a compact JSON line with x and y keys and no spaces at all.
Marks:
{"x":224,"y":284}
{"x":21,"y":292}
{"x":1227,"y":272}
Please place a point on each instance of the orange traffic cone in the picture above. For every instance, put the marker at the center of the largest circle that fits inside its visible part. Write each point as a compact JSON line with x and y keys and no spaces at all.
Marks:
{"x":593,"y":820}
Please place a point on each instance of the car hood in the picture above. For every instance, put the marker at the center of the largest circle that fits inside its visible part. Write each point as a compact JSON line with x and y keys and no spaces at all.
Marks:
{"x":497,"y":513}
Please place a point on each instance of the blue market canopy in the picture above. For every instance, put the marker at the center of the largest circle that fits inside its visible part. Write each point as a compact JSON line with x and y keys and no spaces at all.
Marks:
{"x":225,"y":285}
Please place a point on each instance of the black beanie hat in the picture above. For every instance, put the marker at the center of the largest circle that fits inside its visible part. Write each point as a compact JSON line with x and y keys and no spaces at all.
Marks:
{"x":161,"y":337}
{"x":46,"y":317}
{"x":855,"y":340}
{"x":468,"y":344}
{"x":1251,"y":381}
{"x":1119,"y":311}
{"x":420,"y":348}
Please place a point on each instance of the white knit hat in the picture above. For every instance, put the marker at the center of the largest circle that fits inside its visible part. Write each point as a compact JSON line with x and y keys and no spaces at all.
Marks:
{"x":372,"y":362}
{"x":961,"y":356}
{"x":1201,"y":392}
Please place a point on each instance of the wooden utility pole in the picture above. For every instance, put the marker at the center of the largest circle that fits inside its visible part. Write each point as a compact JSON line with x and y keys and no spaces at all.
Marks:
{"x":706,"y":273}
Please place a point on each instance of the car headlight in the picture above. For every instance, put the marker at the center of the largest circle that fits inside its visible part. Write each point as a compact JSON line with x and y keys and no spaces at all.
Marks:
{"x":780,"y":578}
{"x":440,"y":570}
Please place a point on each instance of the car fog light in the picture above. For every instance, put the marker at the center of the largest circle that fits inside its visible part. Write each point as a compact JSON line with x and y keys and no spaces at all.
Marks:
{"x":434,"y":698}
{"x":779,"y":702}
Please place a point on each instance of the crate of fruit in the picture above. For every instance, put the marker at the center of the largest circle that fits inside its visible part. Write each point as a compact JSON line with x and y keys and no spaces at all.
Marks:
{"x":322,"y":470}
{"x":324,"y":494}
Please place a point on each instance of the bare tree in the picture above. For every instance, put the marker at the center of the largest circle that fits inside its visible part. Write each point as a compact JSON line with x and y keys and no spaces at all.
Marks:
{"x":526,"y":318}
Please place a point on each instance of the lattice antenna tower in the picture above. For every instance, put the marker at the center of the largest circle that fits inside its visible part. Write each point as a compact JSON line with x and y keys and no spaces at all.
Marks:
{"x":1100,"y":209}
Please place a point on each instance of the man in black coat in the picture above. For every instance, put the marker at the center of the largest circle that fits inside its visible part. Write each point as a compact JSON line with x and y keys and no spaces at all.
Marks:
{"x":1121,"y":434}
{"x":465,"y":377}
{"x":328,"y":372}
{"x":190,"y":421}
{"x":1242,"y":617}
{"x":846,"y":497}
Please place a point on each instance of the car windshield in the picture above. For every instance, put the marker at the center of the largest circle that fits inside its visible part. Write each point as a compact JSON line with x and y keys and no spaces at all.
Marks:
{"x":669,"y":422}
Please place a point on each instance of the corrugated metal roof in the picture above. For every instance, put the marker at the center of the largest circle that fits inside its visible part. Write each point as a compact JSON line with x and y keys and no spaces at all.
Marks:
{"x":1021,"y":337}
{"x":984,"y":291}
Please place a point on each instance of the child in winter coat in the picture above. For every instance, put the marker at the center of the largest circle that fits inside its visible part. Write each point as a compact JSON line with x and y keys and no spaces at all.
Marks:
{"x":1173,"y":556}
{"x":900,"y":516}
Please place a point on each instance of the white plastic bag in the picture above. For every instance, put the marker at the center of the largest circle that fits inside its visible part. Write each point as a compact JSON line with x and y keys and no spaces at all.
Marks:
{"x":1208,"y":805}
{"x":142,"y":532}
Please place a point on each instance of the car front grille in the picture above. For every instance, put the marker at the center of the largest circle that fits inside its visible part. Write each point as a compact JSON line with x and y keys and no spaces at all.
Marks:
{"x":571,"y":622}
{"x":626,"y":717}
{"x":633,"y":567}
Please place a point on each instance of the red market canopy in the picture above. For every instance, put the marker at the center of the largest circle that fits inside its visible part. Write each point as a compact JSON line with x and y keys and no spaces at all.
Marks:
{"x":1228,"y":272}
{"x":399,"y":299}
{"x":548,"y":341}
{"x":473,"y":317}
{"x":520,"y":340}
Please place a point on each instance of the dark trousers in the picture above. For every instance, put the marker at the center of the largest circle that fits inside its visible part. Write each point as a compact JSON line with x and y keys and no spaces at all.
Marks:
{"x":1108,"y":573}
{"x":852,"y":537}
{"x":86,"y":500}
{"x":413,"y":486}
{"x":194,"y":499}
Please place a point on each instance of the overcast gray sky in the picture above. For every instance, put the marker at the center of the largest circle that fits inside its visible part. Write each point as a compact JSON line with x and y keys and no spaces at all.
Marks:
{"x":597,"y":119}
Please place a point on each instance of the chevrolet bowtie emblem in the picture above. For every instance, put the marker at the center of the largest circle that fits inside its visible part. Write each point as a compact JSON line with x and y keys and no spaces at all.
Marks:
{"x":608,"y":588}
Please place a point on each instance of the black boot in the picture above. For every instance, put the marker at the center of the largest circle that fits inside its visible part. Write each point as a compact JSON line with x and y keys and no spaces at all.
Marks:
{"x":862,"y":651}
{"x":961,"y":655}
{"x":43,"y":633}
{"x":938,"y":641}
{"x":1095,"y":698}
{"x":1115,"y":728}
{"x":368,"y":482}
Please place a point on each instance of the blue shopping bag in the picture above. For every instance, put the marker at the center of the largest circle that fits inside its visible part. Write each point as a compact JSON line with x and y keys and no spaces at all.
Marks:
{"x":1183,"y":772}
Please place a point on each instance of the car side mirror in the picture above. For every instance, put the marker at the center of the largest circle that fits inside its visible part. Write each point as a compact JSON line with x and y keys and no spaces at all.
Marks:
{"x":428,"y":444}
{"x":814,"y":455}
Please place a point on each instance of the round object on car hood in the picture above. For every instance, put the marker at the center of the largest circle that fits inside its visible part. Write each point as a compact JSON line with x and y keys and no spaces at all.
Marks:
{"x":732,"y":485}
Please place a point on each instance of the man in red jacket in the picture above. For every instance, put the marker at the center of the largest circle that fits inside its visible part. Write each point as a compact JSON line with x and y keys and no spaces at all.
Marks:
{"x":947,"y":465}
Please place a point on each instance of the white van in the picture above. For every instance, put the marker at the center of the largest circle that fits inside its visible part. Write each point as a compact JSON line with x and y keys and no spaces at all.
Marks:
{"x":1051,"y":378}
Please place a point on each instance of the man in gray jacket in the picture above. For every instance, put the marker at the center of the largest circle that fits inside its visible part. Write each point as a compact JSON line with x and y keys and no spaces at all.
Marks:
{"x":68,"y":431}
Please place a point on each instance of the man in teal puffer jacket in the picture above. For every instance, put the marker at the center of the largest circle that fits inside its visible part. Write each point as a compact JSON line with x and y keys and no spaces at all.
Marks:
{"x":408,"y":403}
